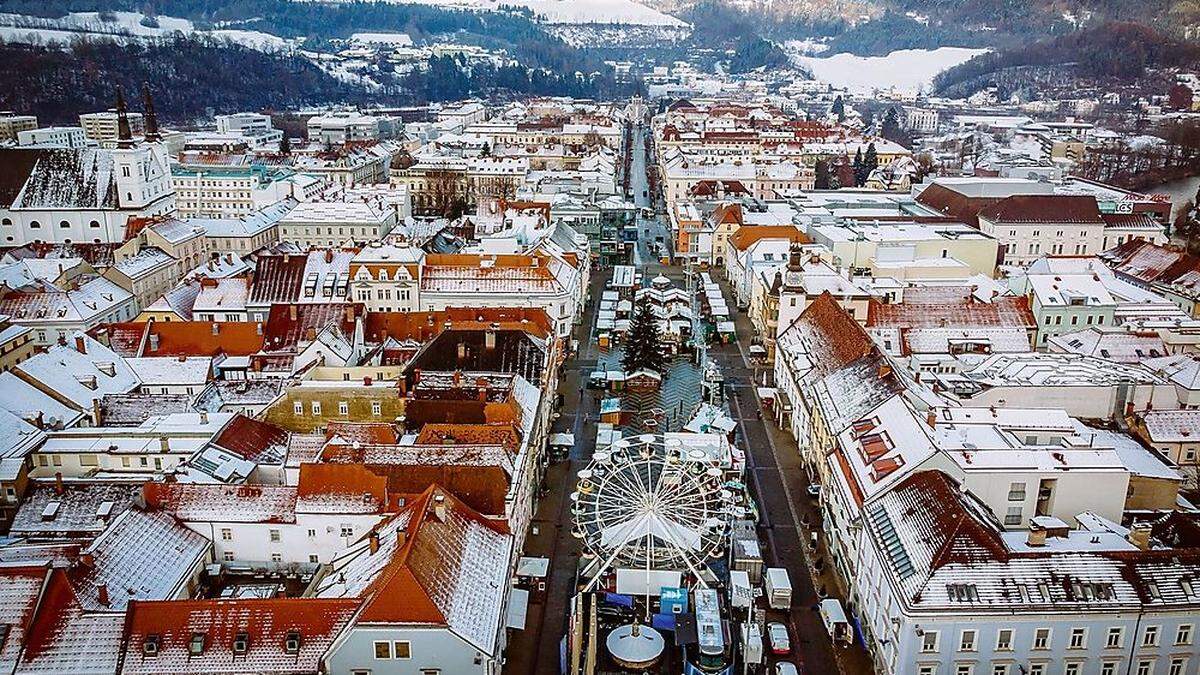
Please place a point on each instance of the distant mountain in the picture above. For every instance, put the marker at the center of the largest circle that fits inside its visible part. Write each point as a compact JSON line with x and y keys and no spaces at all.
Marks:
{"x":1115,"y":52}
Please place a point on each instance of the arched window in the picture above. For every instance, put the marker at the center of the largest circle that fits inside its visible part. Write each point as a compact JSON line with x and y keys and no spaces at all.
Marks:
{"x":66,"y":225}
{"x":7,"y":222}
{"x":35,"y":225}
{"x":94,"y":224}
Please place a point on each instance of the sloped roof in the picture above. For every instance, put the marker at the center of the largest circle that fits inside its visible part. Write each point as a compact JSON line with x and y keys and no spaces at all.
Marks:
{"x":438,"y":563}
{"x":204,"y":502}
{"x":954,"y":204}
{"x":1079,"y":209}
{"x":277,"y":278}
{"x":266,"y":624}
{"x":833,"y":338}
{"x":340,"y":488}
{"x":254,"y":440}
{"x":1013,"y":312}
{"x":747,"y":235}
{"x":20,"y":589}
{"x":185,"y":338}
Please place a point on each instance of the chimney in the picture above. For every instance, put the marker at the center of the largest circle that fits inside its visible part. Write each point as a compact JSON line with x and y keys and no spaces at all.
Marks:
{"x":1036,"y":538}
{"x":416,"y":376}
{"x":58,"y":483}
{"x":328,"y":256}
{"x":292,"y":311}
{"x":373,"y":540}
{"x":401,"y":537}
{"x":203,"y":417}
{"x":154,"y":342}
{"x":40,"y":420}
{"x":439,"y":507}
{"x":366,"y":380}
{"x":216,"y":328}
{"x":931,"y":418}
{"x":102,"y":593}
{"x":80,"y":345}
{"x":1139,"y":536}
{"x":885,"y":370}
{"x":164,"y":444}
{"x":458,"y":376}
{"x":489,"y":338}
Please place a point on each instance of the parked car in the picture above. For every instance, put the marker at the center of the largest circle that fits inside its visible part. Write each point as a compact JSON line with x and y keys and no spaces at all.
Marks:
{"x":777,"y":634}
{"x":814,"y":490}
{"x":786,"y":669}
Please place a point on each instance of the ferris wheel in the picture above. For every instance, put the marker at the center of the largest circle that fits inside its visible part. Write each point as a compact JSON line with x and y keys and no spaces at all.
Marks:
{"x":649,"y":502}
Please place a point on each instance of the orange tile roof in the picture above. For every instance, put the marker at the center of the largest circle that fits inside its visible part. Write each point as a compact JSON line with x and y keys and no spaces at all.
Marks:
{"x":469,"y":434}
{"x":186,"y":338}
{"x":335,"y":483}
{"x":747,"y":235}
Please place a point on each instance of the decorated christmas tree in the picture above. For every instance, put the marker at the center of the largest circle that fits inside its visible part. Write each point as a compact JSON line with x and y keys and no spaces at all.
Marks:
{"x":644,"y":347}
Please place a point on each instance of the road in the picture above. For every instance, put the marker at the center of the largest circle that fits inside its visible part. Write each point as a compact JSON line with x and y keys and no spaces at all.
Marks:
{"x":775,"y":476}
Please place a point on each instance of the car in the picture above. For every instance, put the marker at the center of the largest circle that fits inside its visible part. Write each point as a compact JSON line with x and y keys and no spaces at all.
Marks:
{"x":777,"y":633}
{"x":785,"y":668}
{"x":814,"y":490}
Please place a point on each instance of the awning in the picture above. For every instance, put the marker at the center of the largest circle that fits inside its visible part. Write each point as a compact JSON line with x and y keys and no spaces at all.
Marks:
{"x":757,"y":349}
{"x":562,"y":440}
{"x":766,"y":392}
{"x":528,"y":566}
{"x":518,"y":607}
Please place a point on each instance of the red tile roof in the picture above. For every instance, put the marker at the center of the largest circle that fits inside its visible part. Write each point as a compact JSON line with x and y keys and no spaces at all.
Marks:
{"x":340,"y":488}
{"x":954,"y":204}
{"x":277,"y":278}
{"x":265,"y":623}
{"x":836,"y":339}
{"x":201,"y":502}
{"x":253,"y":440}
{"x":182,"y":338}
{"x":1044,"y":209}
{"x":1013,"y":312}
{"x":424,"y":326}
{"x":288,"y":325}
{"x":362,"y":432}
{"x":469,"y":434}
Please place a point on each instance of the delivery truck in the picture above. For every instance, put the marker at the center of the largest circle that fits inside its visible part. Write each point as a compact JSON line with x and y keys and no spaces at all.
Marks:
{"x":779,"y":588}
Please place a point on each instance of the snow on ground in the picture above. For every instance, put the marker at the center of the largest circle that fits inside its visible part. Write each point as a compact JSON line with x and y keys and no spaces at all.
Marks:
{"x":125,"y":25}
{"x":804,"y":47}
{"x":628,"y":12}
{"x":903,"y":70}
{"x":392,"y":39}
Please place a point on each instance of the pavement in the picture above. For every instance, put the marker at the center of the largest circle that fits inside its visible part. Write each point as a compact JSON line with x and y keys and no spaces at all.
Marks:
{"x":776,"y":478}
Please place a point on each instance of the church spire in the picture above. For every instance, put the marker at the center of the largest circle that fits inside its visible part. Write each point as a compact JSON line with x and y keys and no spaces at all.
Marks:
{"x":124,"y":135}
{"x":152,"y":135}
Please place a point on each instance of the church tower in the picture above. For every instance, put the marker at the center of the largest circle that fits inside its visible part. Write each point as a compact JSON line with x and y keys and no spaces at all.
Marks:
{"x":140,"y":170}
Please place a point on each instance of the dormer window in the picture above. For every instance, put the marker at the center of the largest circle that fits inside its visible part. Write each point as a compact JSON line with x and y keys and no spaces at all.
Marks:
{"x":150,"y":645}
{"x":241,"y":643}
{"x":196,"y":644}
{"x":291,"y":644}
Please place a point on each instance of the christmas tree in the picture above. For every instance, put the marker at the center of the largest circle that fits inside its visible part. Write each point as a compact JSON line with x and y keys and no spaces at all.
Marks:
{"x":643,"y":344}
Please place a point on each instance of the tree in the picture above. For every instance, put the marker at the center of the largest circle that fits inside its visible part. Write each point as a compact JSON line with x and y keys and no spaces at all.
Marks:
{"x":1180,"y":97}
{"x":870,"y":161}
{"x":890,"y":129}
{"x":839,"y":109}
{"x":821,"y":182}
{"x":860,"y":175}
{"x":643,"y":343}
{"x":285,"y":145}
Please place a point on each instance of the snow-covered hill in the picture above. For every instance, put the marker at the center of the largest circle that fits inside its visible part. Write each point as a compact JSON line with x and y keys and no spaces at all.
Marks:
{"x":629,"y":12}
{"x":120,"y":26}
{"x":903,"y":70}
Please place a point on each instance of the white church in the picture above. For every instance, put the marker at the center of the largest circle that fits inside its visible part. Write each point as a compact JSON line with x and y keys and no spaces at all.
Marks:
{"x":85,"y":195}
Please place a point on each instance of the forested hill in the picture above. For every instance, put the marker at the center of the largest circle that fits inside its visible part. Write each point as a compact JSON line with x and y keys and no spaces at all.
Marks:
{"x":1109,"y":51}
{"x":188,"y":77}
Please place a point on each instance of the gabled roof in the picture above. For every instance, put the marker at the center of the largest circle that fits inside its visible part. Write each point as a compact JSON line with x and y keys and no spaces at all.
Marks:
{"x":207,"y":502}
{"x":340,"y":488}
{"x":954,"y":204}
{"x":437,"y":563}
{"x":747,"y":235}
{"x":184,"y":338}
{"x":265,"y":624}
{"x":277,"y":278}
{"x":20,"y":589}
{"x":1013,"y":312}
{"x":832,"y":337}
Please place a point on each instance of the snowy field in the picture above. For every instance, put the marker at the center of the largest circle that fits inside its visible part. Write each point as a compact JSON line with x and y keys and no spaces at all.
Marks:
{"x":627,"y":12}
{"x":905,"y":70}
{"x":126,"y":26}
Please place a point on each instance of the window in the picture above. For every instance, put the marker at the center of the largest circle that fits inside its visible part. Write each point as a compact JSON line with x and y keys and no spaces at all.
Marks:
{"x":929,"y":642}
{"x":1016,"y":491}
{"x":1183,"y":636}
{"x":1013,"y":516}
{"x":297,"y":408}
{"x":227,"y":556}
{"x":1071,"y":669}
{"x":1178,"y":665}
{"x":1108,"y":668}
{"x":64,"y":224}
{"x":383,"y":649}
{"x":963,"y":669}
{"x":927,"y":669}
{"x":1114,"y":637}
{"x":1145,"y":667}
{"x":311,"y":533}
{"x":1037,"y":669}
{"x":274,"y":536}
{"x":966,"y":641}
{"x":1004,"y":640}
{"x":226,"y":534}
{"x":347,"y":530}
{"x":316,"y":407}
{"x":1150,"y":636}
{"x":376,"y":408}
{"x":999,"y":669}
{"x":1078,"y":638}
{"x":402,"y":650}
{"x":276,"y":557}
{"x":343,"y":408}
{"x":314,"y":559}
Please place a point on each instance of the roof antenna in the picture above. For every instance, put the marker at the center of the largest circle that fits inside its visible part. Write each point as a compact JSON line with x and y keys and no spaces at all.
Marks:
{"x":124,"y":135}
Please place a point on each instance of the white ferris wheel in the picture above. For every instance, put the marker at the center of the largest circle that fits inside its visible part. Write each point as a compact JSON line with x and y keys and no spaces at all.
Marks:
{"x":651,"y":503}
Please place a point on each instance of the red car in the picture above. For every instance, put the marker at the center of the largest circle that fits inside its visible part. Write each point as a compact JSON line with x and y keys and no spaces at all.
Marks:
{"x":777,"y":635}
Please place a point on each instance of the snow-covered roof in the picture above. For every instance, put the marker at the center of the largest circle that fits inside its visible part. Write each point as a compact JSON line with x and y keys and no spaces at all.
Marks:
{"x":80,"y":376}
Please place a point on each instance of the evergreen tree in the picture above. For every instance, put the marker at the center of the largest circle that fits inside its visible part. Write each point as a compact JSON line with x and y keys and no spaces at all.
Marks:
{"x":285,"y":145}
{"x":643,"y":343}
{"x":860,"y":176}
{"x":821,"y":182}
{"x":891,"y":126}
{"x":870,"y":161}
{"x":839,"y":109}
